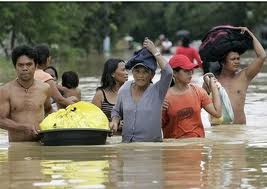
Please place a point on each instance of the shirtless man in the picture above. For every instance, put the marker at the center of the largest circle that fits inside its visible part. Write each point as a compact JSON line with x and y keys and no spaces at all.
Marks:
{"x":236,"y":81}
{"x":24,"y":100}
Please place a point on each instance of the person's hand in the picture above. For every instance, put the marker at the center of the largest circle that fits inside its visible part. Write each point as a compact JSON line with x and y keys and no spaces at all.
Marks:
{"x":208,"y":79}
{"x":113,"y":126}
{"x":209,"y":74}
{"x":244,"y":29}
{"x":150,"y":46}
{"x":165,"y":105}
{"x":214,"y":83}
{"x":30,"y":130}
{"x":74,"y":99}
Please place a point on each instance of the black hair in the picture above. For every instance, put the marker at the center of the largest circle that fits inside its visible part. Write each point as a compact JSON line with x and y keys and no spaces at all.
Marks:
{"x":177,"y":69}
{"x":107,"y":81}
{"x":43,"y":53}
{"x":23,"y":50}
{"x":70,"y":79}
{"x":185,"y":41}
{"x":216,"y":67}
{"x":52,"y":68}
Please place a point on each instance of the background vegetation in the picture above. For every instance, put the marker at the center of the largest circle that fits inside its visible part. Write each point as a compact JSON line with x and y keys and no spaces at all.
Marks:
{"x":74,"y":30}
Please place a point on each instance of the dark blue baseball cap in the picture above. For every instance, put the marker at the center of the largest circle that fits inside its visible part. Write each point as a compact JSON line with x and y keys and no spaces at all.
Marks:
{"x":143,"y":57}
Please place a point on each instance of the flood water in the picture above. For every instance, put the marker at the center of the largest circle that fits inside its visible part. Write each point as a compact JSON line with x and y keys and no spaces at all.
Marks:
{"x":231,"y":156}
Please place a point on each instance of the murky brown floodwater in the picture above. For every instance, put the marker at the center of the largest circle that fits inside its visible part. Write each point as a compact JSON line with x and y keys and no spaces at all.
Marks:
{"x":232,"y":156}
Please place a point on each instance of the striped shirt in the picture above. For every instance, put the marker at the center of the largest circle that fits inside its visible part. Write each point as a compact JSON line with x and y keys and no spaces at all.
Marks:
{"x":106,"y":106}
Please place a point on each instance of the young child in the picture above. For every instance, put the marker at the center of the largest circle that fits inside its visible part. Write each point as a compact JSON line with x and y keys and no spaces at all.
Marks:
{"x":52,"y":71}
{"x":181,"y":118}
{"x":69,"y":86}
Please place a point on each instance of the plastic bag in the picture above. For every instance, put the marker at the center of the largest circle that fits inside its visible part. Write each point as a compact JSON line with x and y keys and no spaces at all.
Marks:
{"x":227,"y":110}
{"x":78,"y":115}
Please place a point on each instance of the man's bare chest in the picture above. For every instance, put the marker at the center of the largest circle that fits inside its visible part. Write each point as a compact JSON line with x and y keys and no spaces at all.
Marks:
{"x":30,"y":102}
{"x":236,"y":88}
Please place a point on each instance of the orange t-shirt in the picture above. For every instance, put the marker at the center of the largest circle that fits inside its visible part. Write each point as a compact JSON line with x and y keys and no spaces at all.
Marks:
{"x":183,"y":116}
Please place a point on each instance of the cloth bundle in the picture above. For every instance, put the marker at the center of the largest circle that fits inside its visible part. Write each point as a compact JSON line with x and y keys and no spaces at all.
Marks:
{"x":218,"y":42}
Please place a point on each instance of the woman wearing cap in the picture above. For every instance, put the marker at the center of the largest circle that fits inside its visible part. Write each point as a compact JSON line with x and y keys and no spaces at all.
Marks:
{"x":139,"y":101}
{"x":182,"y":117}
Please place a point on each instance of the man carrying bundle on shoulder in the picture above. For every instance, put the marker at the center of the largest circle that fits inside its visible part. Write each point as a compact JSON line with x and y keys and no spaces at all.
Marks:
{"x":236,"y":81}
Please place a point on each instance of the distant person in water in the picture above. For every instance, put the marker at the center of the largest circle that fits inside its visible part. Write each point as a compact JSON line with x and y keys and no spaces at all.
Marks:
{"x":113,"y":77}
{"x":43,"y":62}
{"x":236,"y":81}
{"x":24,"y":100}
{"x":188,"y":51}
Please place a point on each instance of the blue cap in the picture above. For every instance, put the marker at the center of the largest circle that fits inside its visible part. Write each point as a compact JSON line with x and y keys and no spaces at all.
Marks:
{"x":142,"y":57}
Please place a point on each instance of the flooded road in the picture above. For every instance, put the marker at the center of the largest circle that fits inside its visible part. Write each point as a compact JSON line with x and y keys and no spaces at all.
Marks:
{"x":231,"y":156}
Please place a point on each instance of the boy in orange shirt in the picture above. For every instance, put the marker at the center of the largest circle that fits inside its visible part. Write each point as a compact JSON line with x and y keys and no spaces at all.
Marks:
{"x":182,"y":118}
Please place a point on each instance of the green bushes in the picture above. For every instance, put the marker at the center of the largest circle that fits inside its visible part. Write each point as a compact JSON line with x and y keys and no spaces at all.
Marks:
{"x":7,"y":71}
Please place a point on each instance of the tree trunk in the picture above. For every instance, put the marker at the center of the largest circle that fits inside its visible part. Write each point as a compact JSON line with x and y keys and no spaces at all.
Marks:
{"x":13,"y":38}
{"x":5,"y":50}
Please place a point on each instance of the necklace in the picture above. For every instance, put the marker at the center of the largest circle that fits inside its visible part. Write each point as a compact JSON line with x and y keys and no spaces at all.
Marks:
{"x":26,"y":89}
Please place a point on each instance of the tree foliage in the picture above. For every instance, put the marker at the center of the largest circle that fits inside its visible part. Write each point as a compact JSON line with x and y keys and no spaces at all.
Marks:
{"x":84,"y":25}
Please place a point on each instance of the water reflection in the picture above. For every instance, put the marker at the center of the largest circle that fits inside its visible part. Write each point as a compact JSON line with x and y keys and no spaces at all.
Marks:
{"x":187,"y":163}
{"x":74,"y":173}
{"x":184,"y":167}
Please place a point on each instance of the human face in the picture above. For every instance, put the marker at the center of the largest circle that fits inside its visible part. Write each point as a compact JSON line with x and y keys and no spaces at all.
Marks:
{"x":142,"y":76}
{"x":232,"y":61}
{"x":120,"y":75}
{"x":51,"y":72}
{"x":25,"y":68}
{"x":183,"y":76}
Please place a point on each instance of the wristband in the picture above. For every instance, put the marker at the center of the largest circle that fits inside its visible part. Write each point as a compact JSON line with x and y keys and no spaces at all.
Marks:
{"x":157,"y":54}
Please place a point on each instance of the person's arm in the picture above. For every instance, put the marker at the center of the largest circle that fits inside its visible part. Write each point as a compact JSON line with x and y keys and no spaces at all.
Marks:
{"x":5,"y":122}
{"x":214,"y":108}
{"x":197,"y":58}
{"x":206,"y":88}
{"x":114,"y":124}
{"x":60,"y":88}
{"x":98,"y":98}
{"x":206,"y":83}
{"x":116,"y":114}
{"x":253,"y":69}
{"x":4,"y":110}
{"x":47,"y":106}
{"x":57,"y":96}
{"x":166,"y":71}
{"x":164,"y":113}
{"x":152,"y":48}
{"x":79,"y":94}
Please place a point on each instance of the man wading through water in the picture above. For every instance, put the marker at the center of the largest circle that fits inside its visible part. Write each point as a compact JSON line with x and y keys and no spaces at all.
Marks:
{"x":23,"y":100}
{"x":236,"y":82}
